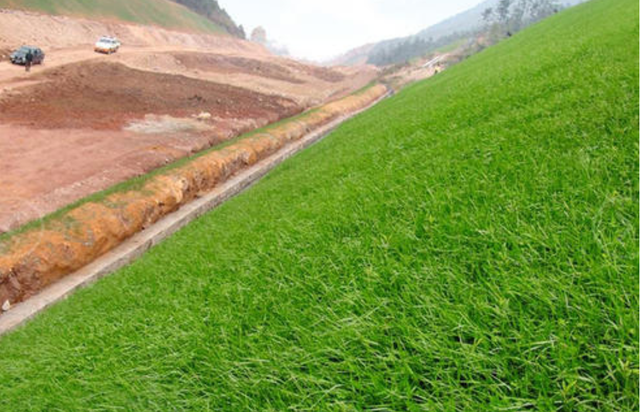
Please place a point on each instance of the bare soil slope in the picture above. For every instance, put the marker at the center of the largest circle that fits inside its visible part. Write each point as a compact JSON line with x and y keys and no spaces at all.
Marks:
{"x":107,"y":96}
{"x":83,"y":122}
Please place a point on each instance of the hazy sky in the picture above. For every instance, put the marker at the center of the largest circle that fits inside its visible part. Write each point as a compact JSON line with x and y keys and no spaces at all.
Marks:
{"x":320,"y":29}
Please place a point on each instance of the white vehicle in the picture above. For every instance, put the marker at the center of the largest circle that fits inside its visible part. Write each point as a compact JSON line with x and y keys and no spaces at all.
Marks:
{"x":107,"y":45}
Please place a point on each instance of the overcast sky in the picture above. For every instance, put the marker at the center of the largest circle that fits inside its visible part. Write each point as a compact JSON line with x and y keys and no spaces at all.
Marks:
{"x":320,"y":29}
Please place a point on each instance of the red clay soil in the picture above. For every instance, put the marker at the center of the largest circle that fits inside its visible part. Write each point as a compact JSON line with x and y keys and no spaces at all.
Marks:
{"x":286,"y":71}
{"x":44,"y":170}
{"x":4,"y":54}
{"x":107,"y":96}
{"x":322,"y":73}
{"x":218,"y":63}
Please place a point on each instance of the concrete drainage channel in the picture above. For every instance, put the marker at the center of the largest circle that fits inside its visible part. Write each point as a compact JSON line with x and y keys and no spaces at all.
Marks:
{"x":136,"y":246}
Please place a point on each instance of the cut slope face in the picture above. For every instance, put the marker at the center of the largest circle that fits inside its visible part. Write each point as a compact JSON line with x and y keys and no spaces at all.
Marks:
{"x":471,"y":244}
{"x":163,"y":13}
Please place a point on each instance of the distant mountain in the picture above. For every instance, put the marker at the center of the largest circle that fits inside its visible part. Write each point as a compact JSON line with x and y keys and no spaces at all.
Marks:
{"x":354,"y":57}
{"x":454,"y":27}
{"x":468,"y":20}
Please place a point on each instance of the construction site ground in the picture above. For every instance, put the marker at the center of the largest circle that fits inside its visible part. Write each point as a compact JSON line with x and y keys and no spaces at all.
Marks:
{"x":83,"y":121}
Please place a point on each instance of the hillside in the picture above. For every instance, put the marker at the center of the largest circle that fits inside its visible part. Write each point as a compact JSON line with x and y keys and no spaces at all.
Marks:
{"x":163,"y":13}
{"x":450,"y":30}
{"x":353,"y":57}
{"x":470,"y":20}
{"x":470,"y":244}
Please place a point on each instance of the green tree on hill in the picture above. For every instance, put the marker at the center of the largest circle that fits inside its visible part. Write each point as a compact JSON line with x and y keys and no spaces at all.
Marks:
{"x":511,"y":16}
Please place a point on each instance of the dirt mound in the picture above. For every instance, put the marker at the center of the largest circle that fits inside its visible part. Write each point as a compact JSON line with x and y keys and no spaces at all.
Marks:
{"x":107,"y":96}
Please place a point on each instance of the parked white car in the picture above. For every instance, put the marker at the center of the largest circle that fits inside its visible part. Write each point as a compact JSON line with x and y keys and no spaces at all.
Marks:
{"x":107,"y":45}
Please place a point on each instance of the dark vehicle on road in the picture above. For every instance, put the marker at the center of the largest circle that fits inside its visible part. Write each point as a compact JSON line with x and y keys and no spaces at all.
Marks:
{"x":20,"y":56}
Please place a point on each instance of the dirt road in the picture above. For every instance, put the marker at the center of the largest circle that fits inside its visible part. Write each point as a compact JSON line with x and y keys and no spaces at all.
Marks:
{"x":10,"y":73}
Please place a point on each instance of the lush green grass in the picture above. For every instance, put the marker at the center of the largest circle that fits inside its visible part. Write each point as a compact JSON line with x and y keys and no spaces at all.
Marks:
{"x":163,"y":13}
{"x":470,"y":244}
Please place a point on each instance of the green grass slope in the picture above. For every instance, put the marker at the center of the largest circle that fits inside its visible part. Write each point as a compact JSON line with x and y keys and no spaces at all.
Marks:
{"x":468,"y":245}
{"x":163,"y":13}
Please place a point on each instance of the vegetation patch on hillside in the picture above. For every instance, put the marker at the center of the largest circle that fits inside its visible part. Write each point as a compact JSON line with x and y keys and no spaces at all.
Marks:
{"x":163,"y":13}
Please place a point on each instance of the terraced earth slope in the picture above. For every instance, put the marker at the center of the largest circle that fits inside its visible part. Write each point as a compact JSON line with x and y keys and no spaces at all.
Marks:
{"x":470,"y":244}
{"x":163,"y":13}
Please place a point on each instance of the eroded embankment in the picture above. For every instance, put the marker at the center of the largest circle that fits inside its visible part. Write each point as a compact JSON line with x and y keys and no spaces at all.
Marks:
{"x":32,"y":260}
